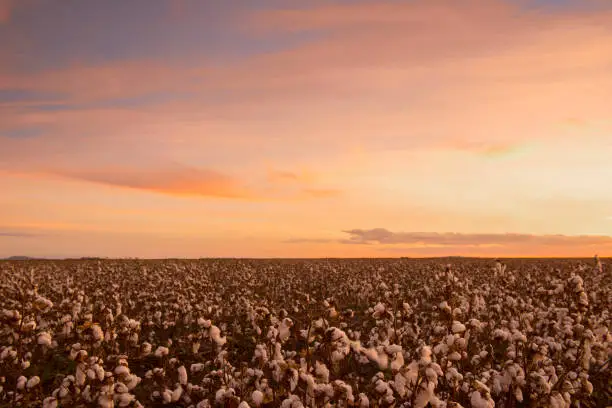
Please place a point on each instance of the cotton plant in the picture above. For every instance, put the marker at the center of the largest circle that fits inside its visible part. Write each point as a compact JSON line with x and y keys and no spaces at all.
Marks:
{"x":246,"y":333}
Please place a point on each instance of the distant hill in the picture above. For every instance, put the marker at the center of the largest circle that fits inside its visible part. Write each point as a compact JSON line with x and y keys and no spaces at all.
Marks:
{"x":20,"y":258}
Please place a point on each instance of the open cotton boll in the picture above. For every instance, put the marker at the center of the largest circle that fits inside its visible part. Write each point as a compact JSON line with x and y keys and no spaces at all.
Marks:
{"x":479,"y":401}
{"x":21,"y":382}
{"x":458,"y":327}
{"x":123,"y":400}
{"x":105,"y":401}
{"x":50,"y":402}
{"x":122,"y":370}
{"x":44,"y":339}
{"x":182,"y":375}
{"x":398,"y":361}
{"x":257,"y":397}
{"x":177,"y":393}
{"x":364,"y":402}
{"x":33,"y":382}
{"x":96,"y":332}
{"x":322,"y":372}
{"x":215,"y":335}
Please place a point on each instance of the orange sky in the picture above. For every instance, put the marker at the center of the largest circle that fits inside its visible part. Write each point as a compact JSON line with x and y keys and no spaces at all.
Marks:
{"x":269,"y":128}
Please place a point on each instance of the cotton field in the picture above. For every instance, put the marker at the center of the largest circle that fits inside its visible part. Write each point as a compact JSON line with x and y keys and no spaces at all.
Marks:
{"x":305,"y":333}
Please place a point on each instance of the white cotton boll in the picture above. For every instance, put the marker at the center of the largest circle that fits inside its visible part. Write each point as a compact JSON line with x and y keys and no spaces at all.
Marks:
{"x":196,"y":367}
{"x":424,"y":396}
{"x":50,"y":402}
{"x":243,"y":404}
{"x":80,"y":375}
{"x":381,"y":387}
{"x":62,"y":391}
{"x":21,"y":382}
{"x":257,"y":398}
{"x":364,"y":402}
{"x":96,"y":332}
{"x":182,"y":375}
{"x":454,"y":356}
{"x":121,"y":388}
{"x":161,"y":351}
{"x":44,"y":339}
{"x":443,"y":306}
{"x":177,"y":393}
{"x":33,"y":382}
{"x":478,"y":401}
{"x":167,"y":396}
{"x":588,"y":386}
{"x":398,"y":361}
{"x":394,"y":348}
{"x":322,"y":371}
{"x":124,"y":400}
{"x":458,"y":327}
{"x":29,"y":326}
{"x":518,"y":394}
{"x":132,"y":381}
{"x":99,"y":370}
{"x":121,"y":370}
{"x":293,"y":379}
{"x":105,"y":401}
{"x":215,"y":335}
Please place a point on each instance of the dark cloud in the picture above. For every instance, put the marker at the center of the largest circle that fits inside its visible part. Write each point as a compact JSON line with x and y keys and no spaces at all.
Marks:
{"x":451,"y":239}
{"x":12,"y":234}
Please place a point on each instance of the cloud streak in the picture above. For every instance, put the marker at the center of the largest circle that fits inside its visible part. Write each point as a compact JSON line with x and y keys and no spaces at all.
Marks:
{"x":165,"y":178}
{"x":383,"y":236}
{"x":13,"y":234}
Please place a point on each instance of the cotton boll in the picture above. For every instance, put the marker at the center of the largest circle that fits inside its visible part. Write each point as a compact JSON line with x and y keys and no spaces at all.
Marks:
{"x":167,"y":396}
{"x":21,"y":382}
{"x":177,"y":393}
{"x":50,"y":402}
{"x":182,"y":375}
{"x":44,"y":339}
{"x":458,"y":327}
{"x":215,"y":335}
{"x":257,"y":398}
{"x":121,"y":370}
{"x":96,"y":332}
{"x":33,"y":382}
{"x":123,"y":400}
{"x":518,"y":394}
{"x":105,"y":401}
{"x":364,"y":402}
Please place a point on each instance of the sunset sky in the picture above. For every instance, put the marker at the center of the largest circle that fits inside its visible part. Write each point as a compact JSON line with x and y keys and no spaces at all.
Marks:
{"x":305,"y":128}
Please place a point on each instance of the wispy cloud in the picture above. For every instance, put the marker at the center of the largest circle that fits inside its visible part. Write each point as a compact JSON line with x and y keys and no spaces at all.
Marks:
{"x":180,"y":180}
{"x":449,"y":239}
{"x":6,"y":8}
{"x":16,"y":234}
{"x":171,"y":179}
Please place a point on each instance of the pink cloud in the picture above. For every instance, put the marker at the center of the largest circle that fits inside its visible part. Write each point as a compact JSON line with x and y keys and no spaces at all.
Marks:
{"x":6,"y":8}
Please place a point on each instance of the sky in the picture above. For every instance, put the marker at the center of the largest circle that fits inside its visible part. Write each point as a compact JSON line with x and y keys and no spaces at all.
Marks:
{"x":293,"y":128}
